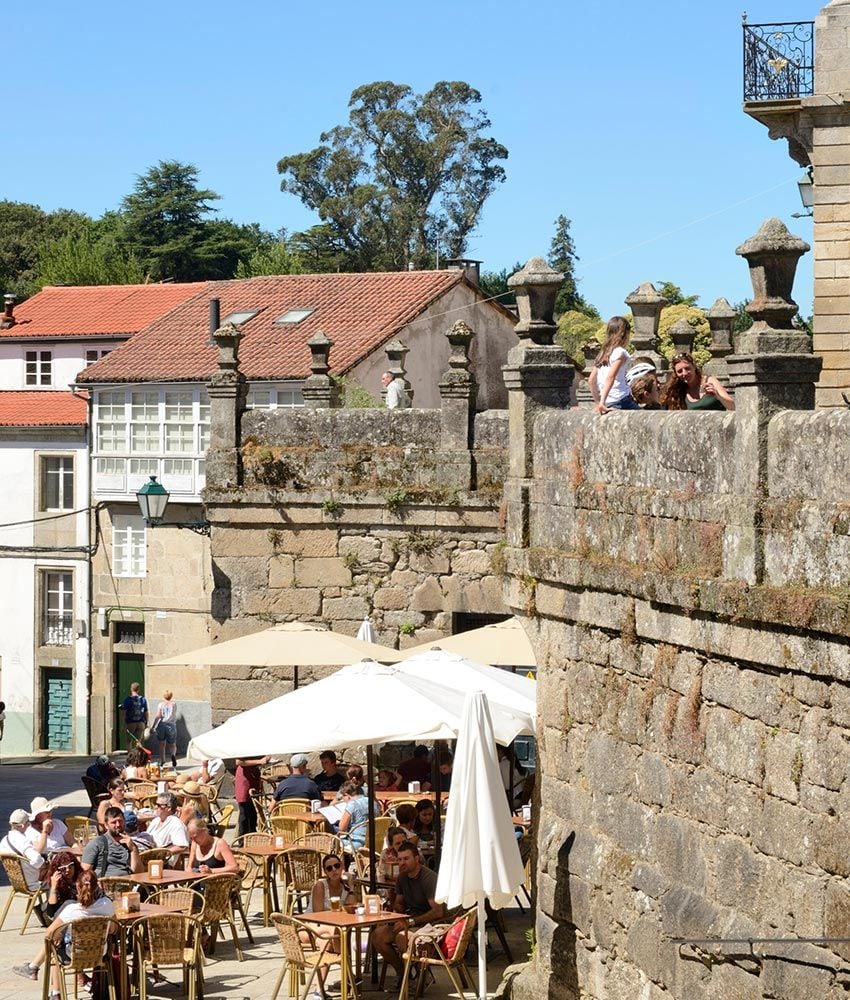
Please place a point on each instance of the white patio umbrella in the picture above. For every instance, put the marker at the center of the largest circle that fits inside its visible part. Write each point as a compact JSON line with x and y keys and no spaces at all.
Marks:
{"x":480,"y":858}
{"x":503,"y":644}
{"x":365,"y":702}
{"x":366,"y":633}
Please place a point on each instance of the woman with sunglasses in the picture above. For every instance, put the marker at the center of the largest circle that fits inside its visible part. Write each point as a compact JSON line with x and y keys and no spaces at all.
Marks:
{"x":119,"y":797}
{"x":689,"y":389}
{"x":332,"y":886}
{"x":62,"y":874}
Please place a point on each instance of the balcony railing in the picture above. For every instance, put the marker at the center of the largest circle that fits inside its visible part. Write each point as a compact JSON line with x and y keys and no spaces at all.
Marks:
{"x":779,"y":61}
{"x":58,"y":629}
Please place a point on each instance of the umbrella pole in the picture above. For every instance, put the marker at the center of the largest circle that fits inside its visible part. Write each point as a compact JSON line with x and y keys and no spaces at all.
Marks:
{"x":438,"y":835}
{"x":373,"y":863}
{"x":482,"y":951}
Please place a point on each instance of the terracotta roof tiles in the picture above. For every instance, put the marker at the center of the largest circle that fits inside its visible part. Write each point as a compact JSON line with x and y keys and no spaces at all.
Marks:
{"x":359,"y":312}
{"x":33,"y":408}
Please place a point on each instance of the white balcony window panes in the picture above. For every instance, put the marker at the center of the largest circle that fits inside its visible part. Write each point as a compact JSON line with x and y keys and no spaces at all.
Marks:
{"x":179,"y":474}
{"x":179,"y":423}
{"x":140,"y":471}
{"x":289,"y":398}
{"x":203,"y":421}
{"x":109,"y":475}
{"x":58,"y":603}
{"x":144,"y":422}
{"x":129,"y":545}
{"x":38,"y":367}
{"x":57,"y":482}
{"x":111,"y":422}
{"x":202,"y":475}
{"x":259,"y":399}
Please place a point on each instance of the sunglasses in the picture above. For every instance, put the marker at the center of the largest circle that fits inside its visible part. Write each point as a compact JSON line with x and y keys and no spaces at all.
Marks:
{"x":333,"y":868}
{"x":64,"y":868}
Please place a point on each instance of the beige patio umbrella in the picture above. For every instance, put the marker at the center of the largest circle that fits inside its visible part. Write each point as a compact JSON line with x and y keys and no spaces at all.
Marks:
{"x":503,"y":644}
{"x":300,"y":644}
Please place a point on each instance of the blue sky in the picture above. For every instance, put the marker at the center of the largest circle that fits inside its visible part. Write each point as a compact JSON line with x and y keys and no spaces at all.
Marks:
{"x":624,"y":116}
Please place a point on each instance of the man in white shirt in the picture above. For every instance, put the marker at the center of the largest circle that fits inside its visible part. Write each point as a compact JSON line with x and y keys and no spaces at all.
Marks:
{"x":45,"y":833}
{"x":167,"y":829}
{"x":397,"y":398}
{"x":16,"y":843}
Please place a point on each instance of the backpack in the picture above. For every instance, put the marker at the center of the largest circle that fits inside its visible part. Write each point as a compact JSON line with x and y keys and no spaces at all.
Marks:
{"x":136,"y":710}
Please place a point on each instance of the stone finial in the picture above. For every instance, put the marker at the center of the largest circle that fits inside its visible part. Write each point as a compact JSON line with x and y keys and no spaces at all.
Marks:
{"x":772,"y":255}
{"x":536,"y":287}
{"x":646,"y":304}
{"x":459,"y":336}
{"x":396,"y":353}
{"x":319,"y":390}
{"x":227,"y":339}
{"x":458,"y":391}
{"x":584,"y":397}
{"x":721,"y":320}
{"x":683,"y":336}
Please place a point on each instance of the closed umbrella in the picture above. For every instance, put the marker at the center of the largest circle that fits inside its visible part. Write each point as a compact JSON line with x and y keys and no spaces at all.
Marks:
{"x":503,"y":644}
{"x":366,"y":633}
{"x":480,"y":858}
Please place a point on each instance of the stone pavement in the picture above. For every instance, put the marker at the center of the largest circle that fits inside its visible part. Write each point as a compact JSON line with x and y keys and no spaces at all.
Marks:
{"x":225,"y":975}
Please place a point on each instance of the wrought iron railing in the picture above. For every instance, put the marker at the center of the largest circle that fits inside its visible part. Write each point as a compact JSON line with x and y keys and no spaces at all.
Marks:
{"x":779,"y":60}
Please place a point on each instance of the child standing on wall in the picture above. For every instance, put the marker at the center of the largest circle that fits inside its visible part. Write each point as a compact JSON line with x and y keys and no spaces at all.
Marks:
{"x":610,"y":370}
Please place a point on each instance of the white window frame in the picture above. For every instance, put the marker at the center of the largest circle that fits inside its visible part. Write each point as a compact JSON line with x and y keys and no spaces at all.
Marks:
{"x":95,"y":354}
{"x":275,"y":396}
{"x":64,"y":476}
{"x":41,"y":374}
{"x":129,"y":546}
{"x":57,"y":624}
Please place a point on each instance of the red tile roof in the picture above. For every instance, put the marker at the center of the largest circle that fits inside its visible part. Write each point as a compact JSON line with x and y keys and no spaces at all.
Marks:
{"x":359,"y":312}
{"x":31,"y":408}
{"x":95,"y":310}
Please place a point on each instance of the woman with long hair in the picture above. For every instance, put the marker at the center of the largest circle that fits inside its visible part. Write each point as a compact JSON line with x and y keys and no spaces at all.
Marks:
{"x":608,"y":376}
{"x":688,"y":389}
{"x":165,"y":727}
{"x":118,"y":797}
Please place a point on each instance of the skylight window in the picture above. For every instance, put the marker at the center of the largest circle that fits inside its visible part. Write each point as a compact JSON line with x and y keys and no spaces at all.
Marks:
{"x":294,"y":316}
{"x":241,"y":317}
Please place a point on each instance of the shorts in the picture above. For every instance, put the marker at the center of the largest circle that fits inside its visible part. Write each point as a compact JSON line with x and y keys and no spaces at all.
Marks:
{"x":626,"y":403}
{"x":166,"y":732}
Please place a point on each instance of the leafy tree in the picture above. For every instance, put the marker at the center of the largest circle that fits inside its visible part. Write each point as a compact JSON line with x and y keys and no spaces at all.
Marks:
{"x":494,"y":284}
{"x":24,"y":230}
{"x":274,"y":257}
{"x":696,"y":318}
{"x":743,"y":320}
{"x":575,"y":329}
{"x":563,"y":256}
{"x":84,"y":257}
{"x":319,"y":251}
{"x":674,"y":295}
{"x":407,"y":171}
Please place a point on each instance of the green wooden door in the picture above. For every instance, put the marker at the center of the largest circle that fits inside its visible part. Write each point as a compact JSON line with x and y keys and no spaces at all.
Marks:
{"x":57,"y":716}
{"x":129,"y":667}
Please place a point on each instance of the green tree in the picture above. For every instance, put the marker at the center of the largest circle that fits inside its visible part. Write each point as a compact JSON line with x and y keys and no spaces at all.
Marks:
{"x":696,"y":318}
{"x":494,"y":284}
{"x":24,"y":231}
{"x":407,"y":171}
{"x":575,"y":329}
{"x":271,"y":258}
{"x":563,"y":257}
{"x":674,"y":295}
{"x":86,"y":256}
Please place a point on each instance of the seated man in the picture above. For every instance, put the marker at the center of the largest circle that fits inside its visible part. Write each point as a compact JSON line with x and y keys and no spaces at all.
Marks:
{"x":168,"y":830}
{"x":102,"y":771}
{"x":18,"y":844}
{"x":416,"y":768}
{"x":299,"y":784}
{"x":415,"y":893}
{"x":113,"y":852}
{"x":328,"y":779}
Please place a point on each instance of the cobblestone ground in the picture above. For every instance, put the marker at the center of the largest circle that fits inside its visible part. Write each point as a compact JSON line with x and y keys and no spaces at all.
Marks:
{"x":225,"y":976}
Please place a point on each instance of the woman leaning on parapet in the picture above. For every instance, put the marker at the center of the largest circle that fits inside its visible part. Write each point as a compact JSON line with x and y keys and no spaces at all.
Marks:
{"x":607,"y":380}
{"x":688,"y":389}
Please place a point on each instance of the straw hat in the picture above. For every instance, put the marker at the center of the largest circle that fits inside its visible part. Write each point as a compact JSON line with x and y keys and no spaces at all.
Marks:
{"x":192,"y":788}
{"x":181,"y":779}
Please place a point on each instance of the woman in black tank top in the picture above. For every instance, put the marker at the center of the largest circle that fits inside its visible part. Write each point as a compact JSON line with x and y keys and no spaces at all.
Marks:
{"x":208,"y":855}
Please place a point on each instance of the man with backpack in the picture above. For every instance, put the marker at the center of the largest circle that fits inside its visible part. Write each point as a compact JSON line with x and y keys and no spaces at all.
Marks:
{"x":135,"y":713}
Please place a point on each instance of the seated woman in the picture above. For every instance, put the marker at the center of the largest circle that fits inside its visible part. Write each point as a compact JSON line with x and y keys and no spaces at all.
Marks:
{"x":423,"y":825}
{"x":90,"y":901}
{"x":355,"y":814}
{"x":388,"y":781}
{"x":334,"y":884}
{"x":388,"y":863}
{"x":62,"y":874}
{"x":208,"y":855}
{"x":118,"y":797}
{"x":45,"y":833}
{"x":136,"y":768}
{"x":405,"y":817}
{"x":689,"y":389}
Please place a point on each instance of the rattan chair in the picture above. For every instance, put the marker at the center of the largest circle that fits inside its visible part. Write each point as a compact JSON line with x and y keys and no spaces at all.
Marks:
{"x":181,"y":899}
{"x":303,"y":963}
{"x":289,"y":828}
{"x":169,"y":940}
{"x":87,"y":951}
{"x":300,"y":869}
{"x":154,"y":854}
{"x":114,"y":885}
{"x":144,"y":794}
{"x":288,"y":807}
{"x":14,"y":867}
{"x":95,"y":791}
{"x":251,"y":878}
{"x":261,"y":808}
{"x":224,"y":821}
{"x":327,"y":843}
{"x":382,"y":824}
{"x":425,"y":950}
{"x":252,"y":839}
{"x":218,"y":891}
{"x":83,"y":823}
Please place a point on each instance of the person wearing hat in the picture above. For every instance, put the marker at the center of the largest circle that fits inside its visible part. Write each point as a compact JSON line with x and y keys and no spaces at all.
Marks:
{"x":45,"y":833}
{"x":299,"y":784}
{"x":16,"y":842}
{"x":642,"y":379}
{"x":195,"y":802}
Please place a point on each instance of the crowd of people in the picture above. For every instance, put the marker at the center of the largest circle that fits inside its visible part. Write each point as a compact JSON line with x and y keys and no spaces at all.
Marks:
{"x":620,"y":382}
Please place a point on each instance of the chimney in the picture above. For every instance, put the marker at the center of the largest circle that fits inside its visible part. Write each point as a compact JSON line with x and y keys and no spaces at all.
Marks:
{"x":471,"y":268}
{"x":8,"y":313}
{"x":215,"y":319}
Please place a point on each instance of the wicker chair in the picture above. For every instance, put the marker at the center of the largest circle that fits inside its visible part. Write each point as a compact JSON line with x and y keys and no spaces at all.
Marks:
{"x":272,"y":773}
{"x":218,"y":893}
{"x":251,"y":878}
{"x":84,"y":823}
{"x":261,"y":807}
{"x":303,"y":963}
{"x":288,"y":807}
{"x":382,"y":824}
{"x":289,"y":828}
{"x":253,"y":839}
{"x":182,"y":900}
{"x":95,"y":791}
{"x":300,"y":869}
{"x":425,"y":950}
{"x":114,"y":885}
{"x":14,"y":867}
{"x":327,"y":843}
{"x":87,"y":951}
{"x":393,"y":805}
{"x":144,"y":793}
{"x":224,"y":821}
{"x":154,"y":854}
{"x":169,"y":940}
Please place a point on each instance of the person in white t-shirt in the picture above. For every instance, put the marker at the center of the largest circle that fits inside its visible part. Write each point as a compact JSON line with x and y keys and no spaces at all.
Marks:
{"x":607,"y":380}
{"x":90,"y":902}
{"x":167,"y":829}
{"x":17,"y":844}
{"x":397,"y":397}
{"x":45,"y":833}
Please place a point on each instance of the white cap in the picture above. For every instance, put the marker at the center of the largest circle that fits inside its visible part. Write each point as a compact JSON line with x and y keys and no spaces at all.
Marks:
{"x":19,"y":817}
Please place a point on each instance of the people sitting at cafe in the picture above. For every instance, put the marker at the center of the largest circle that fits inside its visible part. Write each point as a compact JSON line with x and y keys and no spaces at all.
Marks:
{"x":167,"y":829}
{"x":355,"y":814}
{"x":136,"y":768}
{"x":45,"y":833}
{"x":299,"y":784}
{"x":211,"y":772}
{"x":62,"y":874}
{"x":102,"y":771}
{"x":17,"y":843}
{"x":333,"y":885}
{"x":90,"y":901}
{"x":208,"y":855}
{"x":354,"y":772}
{"x":405,"y":817}
{"x":136,"y":824}
{"x":444,"y":771}
{"x":387,"y":781}
{"x":195,"y":805}
{"x":113,"y":852}
{"x":416,"y":768}
{"x":414,"y":900}
{"x":423,"y":825}
{"x":388,"y":862}
{"x":328,"y":779}
{"x":119,"y":798}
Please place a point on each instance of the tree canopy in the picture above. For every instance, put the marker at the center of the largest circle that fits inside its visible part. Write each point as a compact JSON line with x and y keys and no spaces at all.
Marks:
{"x":563,"y":257}
{"x":409,"y":173}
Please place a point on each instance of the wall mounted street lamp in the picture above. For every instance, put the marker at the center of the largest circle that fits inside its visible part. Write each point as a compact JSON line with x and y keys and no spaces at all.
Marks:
{"x":807,"y":194}
{"x":153,"y":499}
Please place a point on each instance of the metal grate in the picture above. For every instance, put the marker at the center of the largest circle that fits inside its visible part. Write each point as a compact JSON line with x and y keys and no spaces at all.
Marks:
{"x":779,"y":61}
